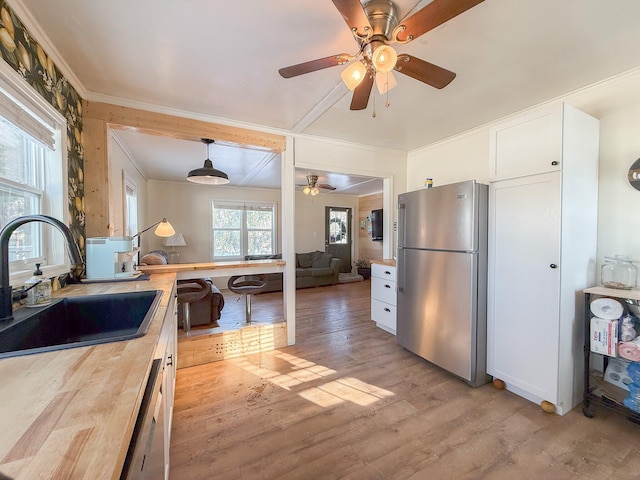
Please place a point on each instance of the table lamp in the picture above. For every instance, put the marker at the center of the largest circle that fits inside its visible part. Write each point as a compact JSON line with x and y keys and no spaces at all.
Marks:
{"x":176,"y":240}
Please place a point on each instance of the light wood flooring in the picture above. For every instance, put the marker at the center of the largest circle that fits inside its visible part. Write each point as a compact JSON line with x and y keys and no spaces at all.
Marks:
{"x":347,"y":403}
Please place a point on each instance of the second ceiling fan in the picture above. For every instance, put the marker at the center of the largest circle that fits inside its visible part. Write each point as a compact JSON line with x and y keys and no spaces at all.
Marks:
{"x":375,"y":26}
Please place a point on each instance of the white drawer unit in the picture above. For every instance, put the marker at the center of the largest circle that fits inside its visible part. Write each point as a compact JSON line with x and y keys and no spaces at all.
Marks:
{"x":383,"y":296}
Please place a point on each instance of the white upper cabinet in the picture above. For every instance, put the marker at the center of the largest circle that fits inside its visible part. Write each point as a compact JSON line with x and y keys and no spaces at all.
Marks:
{"x":527,"y":145}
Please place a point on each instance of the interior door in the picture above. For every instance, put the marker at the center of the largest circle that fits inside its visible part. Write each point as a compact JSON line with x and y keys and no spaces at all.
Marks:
{"x":338,"y":237}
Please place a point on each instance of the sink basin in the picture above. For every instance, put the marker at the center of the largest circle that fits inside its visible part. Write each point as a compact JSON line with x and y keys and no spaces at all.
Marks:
{"x":79,"y":321}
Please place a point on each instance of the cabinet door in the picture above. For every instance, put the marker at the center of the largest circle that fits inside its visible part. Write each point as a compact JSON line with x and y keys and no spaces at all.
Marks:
{"x":527,"y":145}
{"x":524,"y":283}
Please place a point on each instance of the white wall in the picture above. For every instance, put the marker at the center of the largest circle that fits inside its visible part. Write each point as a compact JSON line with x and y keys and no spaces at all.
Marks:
{"x":310,"y":219}
{"x":616,"y":102}
{"x":120,"y":161}
{"x":343,"y":157}
{"x":187,"y":207}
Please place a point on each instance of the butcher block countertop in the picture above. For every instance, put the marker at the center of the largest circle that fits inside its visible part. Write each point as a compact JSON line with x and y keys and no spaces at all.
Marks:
{"x":387,"y":261}
{"x":213,"y":268}
{"x":69,"y":414}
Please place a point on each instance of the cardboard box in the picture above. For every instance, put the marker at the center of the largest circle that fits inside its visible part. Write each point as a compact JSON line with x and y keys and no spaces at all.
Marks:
{"x":604,"y":336}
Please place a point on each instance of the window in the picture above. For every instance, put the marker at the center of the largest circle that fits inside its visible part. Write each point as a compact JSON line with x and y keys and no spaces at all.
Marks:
{"x":32,"y":177}
{"x":241,"y":229}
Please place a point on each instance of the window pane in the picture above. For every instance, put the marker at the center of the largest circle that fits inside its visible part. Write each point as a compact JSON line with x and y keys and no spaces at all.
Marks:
{"x":260,"y":242}
{"x":338,"y":227}
{"x":17,"y":154}
{"x":226,"y":218}
{"x":259,"y":219}
{"x":226,"y":243}
{"x":24,"y":244}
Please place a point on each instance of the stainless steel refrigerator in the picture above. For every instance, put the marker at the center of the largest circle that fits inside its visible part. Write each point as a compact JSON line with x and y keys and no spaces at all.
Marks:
{"x":442,"y":272}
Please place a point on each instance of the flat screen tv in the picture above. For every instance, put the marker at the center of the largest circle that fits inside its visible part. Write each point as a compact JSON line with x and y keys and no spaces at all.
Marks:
{"x":376,"y":225}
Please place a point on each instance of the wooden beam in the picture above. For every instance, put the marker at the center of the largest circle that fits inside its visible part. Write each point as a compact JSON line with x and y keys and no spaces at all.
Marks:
{"x":180,"y":127}
{"x":96,"y":178}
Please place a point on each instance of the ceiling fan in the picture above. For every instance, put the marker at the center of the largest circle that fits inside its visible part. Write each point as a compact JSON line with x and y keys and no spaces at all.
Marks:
{"x":313,"y":187}
{"x":375,"y":26}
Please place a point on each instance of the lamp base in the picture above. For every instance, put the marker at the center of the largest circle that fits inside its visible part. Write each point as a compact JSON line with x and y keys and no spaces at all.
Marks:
{"x":174,"y":256}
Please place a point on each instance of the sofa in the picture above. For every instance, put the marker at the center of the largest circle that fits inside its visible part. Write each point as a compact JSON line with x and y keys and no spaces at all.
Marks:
{"x":206,"y":311}
{"x":313,"y":269}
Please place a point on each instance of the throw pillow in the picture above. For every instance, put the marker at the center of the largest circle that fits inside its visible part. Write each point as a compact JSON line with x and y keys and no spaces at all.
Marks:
{"x":321,"y":259}
{"x":305,"y":260}
{"x":153,"y":259}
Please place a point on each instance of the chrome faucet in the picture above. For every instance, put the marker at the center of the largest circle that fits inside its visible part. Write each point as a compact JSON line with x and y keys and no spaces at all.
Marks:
{"x":6,"y":298}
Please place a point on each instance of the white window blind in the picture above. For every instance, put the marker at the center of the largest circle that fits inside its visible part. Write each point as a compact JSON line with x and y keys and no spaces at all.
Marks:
{"x":20,"y":115}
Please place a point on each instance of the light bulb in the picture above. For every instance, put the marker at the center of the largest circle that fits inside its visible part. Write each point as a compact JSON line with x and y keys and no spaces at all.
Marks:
{"x":306,"y":190}
{"x":353,"y":74}
{"x":384,"y":58}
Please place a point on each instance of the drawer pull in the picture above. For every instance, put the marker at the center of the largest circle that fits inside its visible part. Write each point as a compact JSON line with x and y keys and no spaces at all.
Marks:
{"x":387,"y":272}
{"x":554,"y":163}
{"x":387,"y":310}
{"x":387,"y":286}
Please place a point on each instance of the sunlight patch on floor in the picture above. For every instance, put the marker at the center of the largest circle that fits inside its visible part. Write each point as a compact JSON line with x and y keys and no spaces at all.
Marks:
{"x":347,"y":389}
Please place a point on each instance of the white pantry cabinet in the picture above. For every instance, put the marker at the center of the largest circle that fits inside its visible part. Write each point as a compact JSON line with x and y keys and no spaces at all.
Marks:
{"x":542,"y":251}
{"x":383,"y":295}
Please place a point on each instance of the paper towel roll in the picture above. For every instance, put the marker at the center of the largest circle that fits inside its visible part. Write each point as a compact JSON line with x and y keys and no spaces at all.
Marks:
{"x":607,"y":308}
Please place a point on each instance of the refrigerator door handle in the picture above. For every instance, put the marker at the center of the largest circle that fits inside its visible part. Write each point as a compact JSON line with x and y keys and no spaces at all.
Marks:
{"x":401,"y":270}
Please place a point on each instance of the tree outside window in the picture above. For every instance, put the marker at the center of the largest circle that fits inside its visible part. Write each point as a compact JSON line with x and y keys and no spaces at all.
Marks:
{"x":241,"y":229}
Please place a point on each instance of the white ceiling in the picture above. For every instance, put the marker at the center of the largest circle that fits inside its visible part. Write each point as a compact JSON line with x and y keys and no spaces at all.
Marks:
{"x":220,"y":59}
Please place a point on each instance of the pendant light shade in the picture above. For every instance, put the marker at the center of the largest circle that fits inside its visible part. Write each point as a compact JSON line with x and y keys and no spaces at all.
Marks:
{"x":207,"y":174}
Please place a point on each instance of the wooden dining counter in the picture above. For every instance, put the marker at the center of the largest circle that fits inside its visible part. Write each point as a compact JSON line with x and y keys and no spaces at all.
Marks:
{"x":216,"y":269}
{"x":69,"y":414}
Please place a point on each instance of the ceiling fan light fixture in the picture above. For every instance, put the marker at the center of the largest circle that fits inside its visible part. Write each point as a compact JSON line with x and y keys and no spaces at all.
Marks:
{"x":306,"y":190}
{"x":384,"y":58}
{"x":353,"y":75}
{"x":314,"y":191}
{"x":385,"y":82}
{"x":207,"y":175}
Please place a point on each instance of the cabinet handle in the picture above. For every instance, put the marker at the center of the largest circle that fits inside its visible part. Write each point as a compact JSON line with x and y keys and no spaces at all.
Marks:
{"x":386,"y":272}
{"x":387,"y":310}
{"x":170,"y":360}
{"x":554,"y":163}
{"x":553,"y":265}
{"x":387,"y":286}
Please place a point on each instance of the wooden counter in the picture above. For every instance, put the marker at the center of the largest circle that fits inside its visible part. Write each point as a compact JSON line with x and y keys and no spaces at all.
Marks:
{"x":387,"y":261}
{"x":69,"y":414}
{"x":216,"y":269}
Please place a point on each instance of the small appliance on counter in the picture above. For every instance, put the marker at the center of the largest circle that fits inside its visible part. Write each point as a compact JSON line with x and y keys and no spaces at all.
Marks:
{"x":110,"y":257}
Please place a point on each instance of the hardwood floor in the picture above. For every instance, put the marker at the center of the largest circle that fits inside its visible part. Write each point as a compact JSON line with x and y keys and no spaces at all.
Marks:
{"x":347,"y":403}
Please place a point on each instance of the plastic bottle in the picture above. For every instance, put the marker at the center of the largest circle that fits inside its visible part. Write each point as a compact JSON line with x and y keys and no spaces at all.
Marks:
{"x":40,"y":292}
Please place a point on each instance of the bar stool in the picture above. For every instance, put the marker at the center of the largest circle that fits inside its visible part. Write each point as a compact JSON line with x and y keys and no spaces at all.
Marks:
{"x":247,"y":285}
{"x":193,"y":291}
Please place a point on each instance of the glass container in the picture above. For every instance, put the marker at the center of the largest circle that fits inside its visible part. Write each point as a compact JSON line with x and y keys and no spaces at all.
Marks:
{"x":619,"y":272}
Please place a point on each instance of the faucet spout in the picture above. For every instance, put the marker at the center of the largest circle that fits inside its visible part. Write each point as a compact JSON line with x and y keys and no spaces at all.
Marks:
{"x":6,"y":310}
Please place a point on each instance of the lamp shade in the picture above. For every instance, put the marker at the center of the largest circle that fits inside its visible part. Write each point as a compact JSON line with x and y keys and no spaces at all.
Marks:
{"x":164,"y":229}
{"x":354,"y":74}
{"x":208,"y":175}
{"x":384,"y":58}
{"x":176,"y":240}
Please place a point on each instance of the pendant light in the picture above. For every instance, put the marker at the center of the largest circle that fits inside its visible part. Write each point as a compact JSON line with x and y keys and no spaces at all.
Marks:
{"x":207,"y":174}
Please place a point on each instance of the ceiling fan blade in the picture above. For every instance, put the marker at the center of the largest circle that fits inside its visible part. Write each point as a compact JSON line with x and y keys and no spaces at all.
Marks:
{"x":353,"y":14}
{"x":326,"y":186}
{"x":362,"y":92}
{"x":314,"y":65}
{"x":434,"y":14}
{"x":425,"y":72}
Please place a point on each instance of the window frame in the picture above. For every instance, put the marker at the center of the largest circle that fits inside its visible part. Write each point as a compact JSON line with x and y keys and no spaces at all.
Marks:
{"x":24,"y":98}
{"x":244,"y":206}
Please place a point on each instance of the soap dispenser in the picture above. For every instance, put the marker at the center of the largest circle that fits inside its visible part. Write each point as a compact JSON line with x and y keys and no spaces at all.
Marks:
{"x":38,"y":289}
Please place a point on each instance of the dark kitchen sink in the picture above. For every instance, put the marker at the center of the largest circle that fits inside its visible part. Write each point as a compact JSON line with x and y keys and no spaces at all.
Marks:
{"x":79,"y":321}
